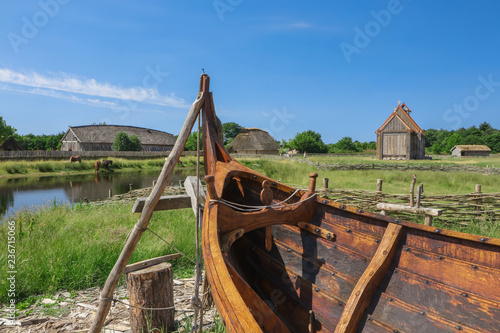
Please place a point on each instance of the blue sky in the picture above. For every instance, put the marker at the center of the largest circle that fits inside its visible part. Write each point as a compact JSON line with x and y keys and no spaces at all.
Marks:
{"x":335,"y":67}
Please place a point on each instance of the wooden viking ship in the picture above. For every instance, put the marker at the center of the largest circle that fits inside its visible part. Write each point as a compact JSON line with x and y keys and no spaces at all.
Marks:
{"x":285,"y":260}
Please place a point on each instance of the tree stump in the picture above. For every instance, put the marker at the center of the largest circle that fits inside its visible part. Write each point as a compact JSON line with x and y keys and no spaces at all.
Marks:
{"x":151,"y":287}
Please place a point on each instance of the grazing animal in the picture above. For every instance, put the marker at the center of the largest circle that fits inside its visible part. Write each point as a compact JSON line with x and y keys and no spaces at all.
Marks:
{"x":107,"y":163}
{"x":75,"y":159}
{"x":97,"y":166}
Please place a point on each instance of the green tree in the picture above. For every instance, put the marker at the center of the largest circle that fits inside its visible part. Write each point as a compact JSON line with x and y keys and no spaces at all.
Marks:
{"x":135,"y":143}
{"x":5,"y":130}
{"x":191,"y":142}
{"x":121,"y":142}
{"x":452,"y":141}
{"x":308,"y":141}
{"x":230,"y":130}
{"x":346,"y":145}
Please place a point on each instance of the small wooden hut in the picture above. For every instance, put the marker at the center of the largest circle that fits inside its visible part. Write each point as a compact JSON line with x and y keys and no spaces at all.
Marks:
{"x":400,"y":137}
{"x":470,"y":150}
{"x":254,"y":141}
{"x":101,"y":138}
{"x":10,"y":144}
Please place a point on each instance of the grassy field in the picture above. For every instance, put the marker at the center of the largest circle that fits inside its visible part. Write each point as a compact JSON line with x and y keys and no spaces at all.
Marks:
{"x":435,"y":182}
{"x":72,"y":248}
{"x":493,"y":160}
{"x":44,"y":167}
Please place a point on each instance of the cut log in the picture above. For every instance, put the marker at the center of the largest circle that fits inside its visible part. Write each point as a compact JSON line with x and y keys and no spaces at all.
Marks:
{"x":151,"y":288}
{"x":401,"y":208}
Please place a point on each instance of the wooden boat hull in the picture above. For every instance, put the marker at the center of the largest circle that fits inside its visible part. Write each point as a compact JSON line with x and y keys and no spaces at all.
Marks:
{"x":307,"y":264}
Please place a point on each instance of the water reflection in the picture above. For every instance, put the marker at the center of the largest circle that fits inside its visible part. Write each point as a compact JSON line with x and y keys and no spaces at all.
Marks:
{"x":16,"y":193}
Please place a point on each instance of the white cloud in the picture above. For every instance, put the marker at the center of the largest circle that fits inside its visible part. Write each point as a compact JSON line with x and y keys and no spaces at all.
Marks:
{"x":63,"y":86}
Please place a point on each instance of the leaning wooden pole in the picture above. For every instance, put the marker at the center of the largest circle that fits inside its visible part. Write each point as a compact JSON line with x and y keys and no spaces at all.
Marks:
{"x":147,"y":212}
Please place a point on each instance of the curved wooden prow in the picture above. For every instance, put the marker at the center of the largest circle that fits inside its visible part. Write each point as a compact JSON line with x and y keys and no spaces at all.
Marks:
{"x":213,"y":139}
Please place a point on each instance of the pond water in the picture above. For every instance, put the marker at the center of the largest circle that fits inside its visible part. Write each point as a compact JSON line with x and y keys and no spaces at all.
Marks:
{"x":30,"y":192}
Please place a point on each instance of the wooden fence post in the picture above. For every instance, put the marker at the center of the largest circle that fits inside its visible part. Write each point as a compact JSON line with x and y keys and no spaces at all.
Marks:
{"x":479,"y":201}
{"x":379,"y":185}
{"x":412,"y":190}
{"x":151,"y":288}
{"x":419,"y":194}
{"x":110,"y":193}
{"x":325,"y":183}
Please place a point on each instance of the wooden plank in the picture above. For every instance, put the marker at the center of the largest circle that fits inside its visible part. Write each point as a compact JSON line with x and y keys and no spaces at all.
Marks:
{"x":142,"y":223}
{"x":410,"y":209}
{"x":164,"y":203}
{"x":449,"y":303}
{"x":150,"y":262}
{"x":370,"y":280}
{"x":191,"y":187}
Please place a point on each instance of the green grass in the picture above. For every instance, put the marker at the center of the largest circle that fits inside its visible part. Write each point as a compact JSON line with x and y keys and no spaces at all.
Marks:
{"x":37,"y":167}
{"x":394,"y":181}
{"x":73,"y":248}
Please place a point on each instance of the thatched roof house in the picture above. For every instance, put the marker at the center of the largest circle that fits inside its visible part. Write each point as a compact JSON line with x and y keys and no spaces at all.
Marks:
{"x":10,"y":144}
{"x":254,"y":141}
{"x":101,"y":138}
{"x":470,"y":150}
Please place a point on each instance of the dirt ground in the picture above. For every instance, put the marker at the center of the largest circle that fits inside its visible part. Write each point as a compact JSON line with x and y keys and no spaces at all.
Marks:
{"x":74,"y":312}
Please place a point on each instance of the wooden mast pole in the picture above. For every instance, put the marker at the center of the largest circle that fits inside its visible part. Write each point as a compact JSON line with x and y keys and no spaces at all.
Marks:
{"x":147,"y":212}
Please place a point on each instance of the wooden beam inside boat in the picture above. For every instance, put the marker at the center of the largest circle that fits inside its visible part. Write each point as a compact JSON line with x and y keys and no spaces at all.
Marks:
{"x":370,"y":280}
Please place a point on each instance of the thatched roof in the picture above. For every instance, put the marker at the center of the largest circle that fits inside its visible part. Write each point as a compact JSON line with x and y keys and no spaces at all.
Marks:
{"x":107,"y":134}
{"x":472,"y":148}
{"x":254,"y":139}
{"x":10,"y":144}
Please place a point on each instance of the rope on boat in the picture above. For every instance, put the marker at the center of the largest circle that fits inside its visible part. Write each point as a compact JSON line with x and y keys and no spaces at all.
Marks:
{"x":196,"y":301}
{"x":246,"y":208}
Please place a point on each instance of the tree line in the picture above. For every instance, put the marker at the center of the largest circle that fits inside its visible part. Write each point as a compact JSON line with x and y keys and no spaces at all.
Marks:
{"x":437,"y":141}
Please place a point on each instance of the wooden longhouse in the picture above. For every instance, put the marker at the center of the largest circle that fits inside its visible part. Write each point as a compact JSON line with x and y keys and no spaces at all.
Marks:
{"x":400,"y":137}
{"x":101,"y":138}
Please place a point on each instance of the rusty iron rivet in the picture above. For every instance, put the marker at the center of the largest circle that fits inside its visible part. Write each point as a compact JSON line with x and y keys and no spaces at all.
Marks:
{"x":464,"y":294}
{"x":254,"y":176}
{"x":348,"y":230}
{"x":324,"y":201}
{"x":482,"y":240}
{"x":334,"y":246}
{"x":474,"y":266}
{"x":437,"y":231}
{"x":316,"y":289}
{"x":289,"y":250}
{"x":422,"y":313}
{"x":273,"y":183}
{"x":426,"y":282}
{"x":377,"y":240}
{"x":395,"y":331}
{"x":294,"y":276}
{"x":342,"y":207}
{"x":458,"y":328}
{"x":440,"y":257}
{"x":397,"y":220}
{"x":333,"y":273}
{"x":361,"y":211}
{"x":340,"y":303}
{"x":407,"y":249}
{"x":390,"y":299}
{"x":328,"y":235}
{"x":317,"y":231}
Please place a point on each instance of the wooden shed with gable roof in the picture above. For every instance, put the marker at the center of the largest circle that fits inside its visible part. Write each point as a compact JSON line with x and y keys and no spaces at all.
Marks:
{"x":400,"y":137}
{"x":101,"y":138}
{"x":254,"y":141}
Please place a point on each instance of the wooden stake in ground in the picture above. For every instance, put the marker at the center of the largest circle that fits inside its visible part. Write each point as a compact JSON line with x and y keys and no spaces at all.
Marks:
{"x":151,"y":287}
{"x":147,"y":212}
{"x":412,"y":190}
